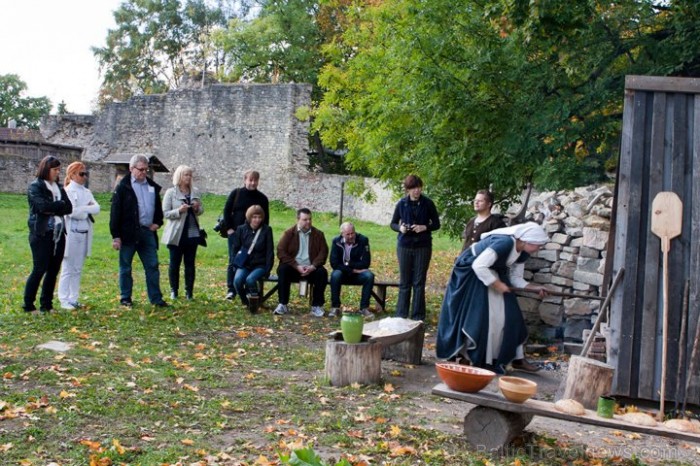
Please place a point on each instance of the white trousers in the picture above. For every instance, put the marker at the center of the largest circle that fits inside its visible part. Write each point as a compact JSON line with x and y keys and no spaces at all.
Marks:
{"x":72,"y":267}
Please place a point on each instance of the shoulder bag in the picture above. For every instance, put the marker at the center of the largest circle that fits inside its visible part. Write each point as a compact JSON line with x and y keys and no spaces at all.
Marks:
{"x":243,"y":255}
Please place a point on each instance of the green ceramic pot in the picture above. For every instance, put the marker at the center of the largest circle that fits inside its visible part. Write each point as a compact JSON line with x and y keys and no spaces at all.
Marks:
{"x":351,"y":327}
{"x":606,"y":406}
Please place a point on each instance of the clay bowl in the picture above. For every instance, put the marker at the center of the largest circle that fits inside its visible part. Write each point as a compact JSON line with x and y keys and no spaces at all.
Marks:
{"x":464,"y":378}
{"x":517,"y":389}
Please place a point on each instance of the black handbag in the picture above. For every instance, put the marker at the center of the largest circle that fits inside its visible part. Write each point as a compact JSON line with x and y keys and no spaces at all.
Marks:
{"x":241,"y":258}
{"x":203,"y":237}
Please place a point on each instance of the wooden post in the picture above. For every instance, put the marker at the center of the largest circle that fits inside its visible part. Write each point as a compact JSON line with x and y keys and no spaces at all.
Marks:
{"x":586,"y":380}
{"x":409,"y":351}
{"x":353,"y":363}
{"x":490,"y":430}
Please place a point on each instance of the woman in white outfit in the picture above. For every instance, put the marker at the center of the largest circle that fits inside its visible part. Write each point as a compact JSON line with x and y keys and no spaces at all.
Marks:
{"x":79,"y":230}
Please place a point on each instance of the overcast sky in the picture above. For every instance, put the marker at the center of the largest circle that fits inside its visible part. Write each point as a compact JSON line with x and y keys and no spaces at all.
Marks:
{"x":47,"y":43}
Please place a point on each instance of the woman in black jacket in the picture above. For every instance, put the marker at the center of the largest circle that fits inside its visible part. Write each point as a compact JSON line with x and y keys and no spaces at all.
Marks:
{"x":415,"y":218}
{"x":252,"y":262}
{"x":48,"y":203}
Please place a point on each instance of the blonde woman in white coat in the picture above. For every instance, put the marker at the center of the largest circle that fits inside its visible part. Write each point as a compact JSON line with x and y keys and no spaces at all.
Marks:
{"x":79,"y":234}
{"x":182,"y":205}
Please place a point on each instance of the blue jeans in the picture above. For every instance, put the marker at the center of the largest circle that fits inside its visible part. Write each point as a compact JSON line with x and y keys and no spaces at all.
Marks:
{"x":366,"y":279}
{"x":413,"y":272}
{"x":147,"y":248}
{"x":246,"y":281}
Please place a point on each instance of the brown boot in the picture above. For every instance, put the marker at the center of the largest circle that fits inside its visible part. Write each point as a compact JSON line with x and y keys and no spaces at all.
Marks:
{"x":524,"y":365}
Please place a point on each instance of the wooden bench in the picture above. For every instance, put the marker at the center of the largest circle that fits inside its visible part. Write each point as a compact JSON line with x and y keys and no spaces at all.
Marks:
{"x":495,"y":422}
{"x":378,"y":292}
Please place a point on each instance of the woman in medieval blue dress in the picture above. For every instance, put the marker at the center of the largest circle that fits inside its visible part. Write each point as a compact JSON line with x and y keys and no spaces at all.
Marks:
{"x":480,"y":319}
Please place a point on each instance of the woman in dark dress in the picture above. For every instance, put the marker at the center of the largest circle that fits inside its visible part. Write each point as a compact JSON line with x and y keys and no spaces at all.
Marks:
{"x":480,"y":318}
{"x":48,"y":203}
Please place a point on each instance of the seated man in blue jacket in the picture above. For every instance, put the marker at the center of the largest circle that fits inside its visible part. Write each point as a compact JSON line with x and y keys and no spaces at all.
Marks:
{"x":350,"y":260}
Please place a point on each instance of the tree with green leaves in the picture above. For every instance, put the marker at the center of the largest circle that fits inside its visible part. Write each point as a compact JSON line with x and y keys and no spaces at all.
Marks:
{"x":157,"y":44}
{"x":14,"y":105}
{"x":282,"y":43}
{"x":501,"y":92}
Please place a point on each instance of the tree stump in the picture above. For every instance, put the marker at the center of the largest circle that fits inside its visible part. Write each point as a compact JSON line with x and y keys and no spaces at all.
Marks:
{"x":587,"y":380}
{"x":409,"y":351}
{"x":353,"y":363}
{"x":490,"y":430}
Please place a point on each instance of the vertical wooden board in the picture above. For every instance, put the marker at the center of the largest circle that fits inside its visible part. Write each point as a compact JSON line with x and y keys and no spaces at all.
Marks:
{"x":693,"y":395}
{"x":649,"y":254}
{"x":627,"y":374}
{"x":618,"y":304}
{"x":676,"y":259}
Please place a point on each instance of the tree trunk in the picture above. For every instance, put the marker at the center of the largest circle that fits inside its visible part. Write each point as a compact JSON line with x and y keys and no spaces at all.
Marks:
{"x":490,"y":430}
{"x":409,"y":351}
{"x":587,"y":380}
{"x":348,"y":363}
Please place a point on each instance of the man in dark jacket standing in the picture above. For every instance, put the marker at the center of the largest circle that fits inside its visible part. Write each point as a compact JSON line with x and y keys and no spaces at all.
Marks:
{"x":302,"y":251}
{"x":237,"y":204}
{"x":350,"y":260}
{"x":135,"y":217}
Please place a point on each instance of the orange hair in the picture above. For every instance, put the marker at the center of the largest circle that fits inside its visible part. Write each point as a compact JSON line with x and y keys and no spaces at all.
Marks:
{"x":73,"y":169}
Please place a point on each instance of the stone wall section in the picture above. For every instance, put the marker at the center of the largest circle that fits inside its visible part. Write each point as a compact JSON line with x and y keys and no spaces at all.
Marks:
{"x":221,"y":131}
{"x":578,"y":223}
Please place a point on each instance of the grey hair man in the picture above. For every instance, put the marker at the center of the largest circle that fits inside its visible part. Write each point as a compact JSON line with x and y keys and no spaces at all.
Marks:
{"x":135,"y":218}
{"x":350,"y":260}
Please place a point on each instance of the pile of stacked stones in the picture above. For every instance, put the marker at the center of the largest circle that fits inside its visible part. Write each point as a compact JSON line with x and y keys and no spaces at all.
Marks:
{"x":578,"y":223}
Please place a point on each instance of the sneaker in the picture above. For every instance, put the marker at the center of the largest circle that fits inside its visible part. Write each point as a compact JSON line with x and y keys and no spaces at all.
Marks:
{"x":317,"y":311}
{"x":76,"y":304}
{"x":173,"y":295}
{"x":161,"y":304}
{"x":230,"y":295}
{"x":281,"y":310}
{"x":126,"y":302}
{"x":367,"y":314}
{"x":334,"y":312}
{"x":67,"y":306}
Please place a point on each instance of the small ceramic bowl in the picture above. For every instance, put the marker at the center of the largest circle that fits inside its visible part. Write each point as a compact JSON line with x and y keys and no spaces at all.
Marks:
{"x":461,"y":378}
{"x":516,"y":389}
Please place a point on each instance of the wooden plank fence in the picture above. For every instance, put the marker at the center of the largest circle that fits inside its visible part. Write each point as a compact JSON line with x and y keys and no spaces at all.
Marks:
{"x":660,"y":151}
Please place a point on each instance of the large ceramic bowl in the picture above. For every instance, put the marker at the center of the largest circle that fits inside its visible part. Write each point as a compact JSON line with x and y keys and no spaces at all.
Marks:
{"x":517,"y":389}
{"x":464,"y":378}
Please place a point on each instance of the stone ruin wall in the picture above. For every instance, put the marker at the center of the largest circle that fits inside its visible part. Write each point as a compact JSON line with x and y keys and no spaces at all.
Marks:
{"x":578,"y":224}
{"x":220,"y":131}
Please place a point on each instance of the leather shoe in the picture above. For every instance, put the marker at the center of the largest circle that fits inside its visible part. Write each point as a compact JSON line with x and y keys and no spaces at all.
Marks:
{"x":525,"y":365}
{"x":161,"y":304}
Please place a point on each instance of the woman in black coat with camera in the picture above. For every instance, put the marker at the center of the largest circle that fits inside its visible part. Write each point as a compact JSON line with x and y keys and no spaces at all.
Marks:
{"x":48,"y":203}
{"x":415,"y":218}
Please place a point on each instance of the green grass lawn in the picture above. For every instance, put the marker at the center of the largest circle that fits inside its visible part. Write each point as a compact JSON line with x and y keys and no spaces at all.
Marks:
{"x":203,"y":382}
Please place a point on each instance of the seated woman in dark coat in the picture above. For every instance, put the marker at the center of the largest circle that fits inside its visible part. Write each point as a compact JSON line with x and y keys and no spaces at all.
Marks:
{"x":253,"y":239}
{"x":480,"y":318}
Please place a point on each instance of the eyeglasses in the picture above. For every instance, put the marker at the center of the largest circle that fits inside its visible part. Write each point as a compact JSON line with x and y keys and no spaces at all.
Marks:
{"x":141,"y":169}
{"x":83,"y":174}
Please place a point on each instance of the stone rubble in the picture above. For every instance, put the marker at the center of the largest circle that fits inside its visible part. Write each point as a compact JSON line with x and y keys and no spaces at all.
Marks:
{"x":578,"y":223}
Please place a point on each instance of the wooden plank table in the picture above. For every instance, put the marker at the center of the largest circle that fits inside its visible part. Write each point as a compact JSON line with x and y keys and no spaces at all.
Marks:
{"x":495,"y":422}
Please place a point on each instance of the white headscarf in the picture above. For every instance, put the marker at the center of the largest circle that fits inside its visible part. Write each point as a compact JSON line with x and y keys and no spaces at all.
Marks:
{"x":529,"y":232}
